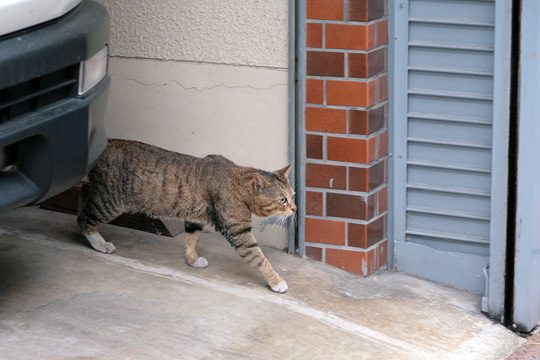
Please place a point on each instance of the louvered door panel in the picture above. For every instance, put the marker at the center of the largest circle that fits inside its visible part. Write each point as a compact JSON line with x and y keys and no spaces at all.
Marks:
{"x":449,"y":134}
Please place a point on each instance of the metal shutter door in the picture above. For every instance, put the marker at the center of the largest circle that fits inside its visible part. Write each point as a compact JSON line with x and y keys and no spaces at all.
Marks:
{"x":443,"y":124}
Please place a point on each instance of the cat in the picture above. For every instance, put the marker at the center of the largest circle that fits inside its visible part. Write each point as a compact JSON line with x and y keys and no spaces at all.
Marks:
{"x":135,"y":177}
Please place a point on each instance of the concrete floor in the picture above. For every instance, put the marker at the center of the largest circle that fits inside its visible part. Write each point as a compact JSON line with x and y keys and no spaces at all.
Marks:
{"x":61,"y":300}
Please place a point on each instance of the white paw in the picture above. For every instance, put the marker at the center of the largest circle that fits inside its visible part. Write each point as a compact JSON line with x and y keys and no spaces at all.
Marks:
{"x":199,"y":263}
{"x":281,"y":287}
{"x":99,"y":244}
{"x":106,"y":247}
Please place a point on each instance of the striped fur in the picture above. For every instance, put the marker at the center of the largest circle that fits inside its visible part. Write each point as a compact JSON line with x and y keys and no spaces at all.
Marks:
{"x":140,"y":178}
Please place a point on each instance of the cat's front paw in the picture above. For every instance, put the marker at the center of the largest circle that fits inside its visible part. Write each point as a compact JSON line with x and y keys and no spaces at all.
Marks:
{"x":281,"y":287}
{"x":98,"y":243}
{"x":106,"y":248}
{"x":199,"y":263}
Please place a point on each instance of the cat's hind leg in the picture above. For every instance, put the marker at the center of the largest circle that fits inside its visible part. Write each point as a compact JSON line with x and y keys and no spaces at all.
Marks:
{"x":96,"y":211}
{"x":193,"y":231}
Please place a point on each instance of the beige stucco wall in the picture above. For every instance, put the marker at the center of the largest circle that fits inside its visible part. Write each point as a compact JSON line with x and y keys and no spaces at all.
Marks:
{"x":202,"y":77}
{"x":240,"y":32}
{"x":236,"y":111}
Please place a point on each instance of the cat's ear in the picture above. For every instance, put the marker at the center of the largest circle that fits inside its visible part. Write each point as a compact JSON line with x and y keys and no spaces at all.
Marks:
{"x":284,"y":171}
{"x":258,"y":182}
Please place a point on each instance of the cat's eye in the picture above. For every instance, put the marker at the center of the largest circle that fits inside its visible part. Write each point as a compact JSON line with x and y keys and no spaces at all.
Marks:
{"x":283,"y":200}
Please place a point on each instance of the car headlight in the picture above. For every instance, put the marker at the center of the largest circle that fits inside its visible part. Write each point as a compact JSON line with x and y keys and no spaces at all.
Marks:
{"x":93,"y":70}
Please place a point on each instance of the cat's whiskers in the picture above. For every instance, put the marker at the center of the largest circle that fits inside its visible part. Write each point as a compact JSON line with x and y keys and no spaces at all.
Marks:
{"x":294,"y":217}
{"x":279,"y":220}
{"x":274,"y":222}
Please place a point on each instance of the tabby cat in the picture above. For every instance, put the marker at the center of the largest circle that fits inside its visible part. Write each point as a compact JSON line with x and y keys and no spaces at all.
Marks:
{"x":140,"y":178}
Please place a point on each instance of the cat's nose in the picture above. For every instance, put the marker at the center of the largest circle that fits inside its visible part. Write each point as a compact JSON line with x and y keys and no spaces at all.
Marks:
{"x":293,"y":207}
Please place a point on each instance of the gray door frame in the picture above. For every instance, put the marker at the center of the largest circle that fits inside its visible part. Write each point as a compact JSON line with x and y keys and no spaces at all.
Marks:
{"x":526,"y":305}
{"x":300,"y":142}
{"x":420,"y":259}
{"x":499,"y":173}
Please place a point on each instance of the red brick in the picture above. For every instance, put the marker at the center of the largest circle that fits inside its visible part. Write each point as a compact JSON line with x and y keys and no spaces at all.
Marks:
{"x":367,"y":65}
{"x":326,"y":120}
{"x":356,"y":36}
{"x":314,"y":91}
{"x":367,"y":179}
{"x":357,"y":235}
{"x":358,"y":65}
{"x":324,"y":63}
{"x":372,"y":206}
{"x":347,"y":260}
{"x":382,"y":255}
{"x":325,"y":9}
{"x":383,"y":145}
{"x":359,"y":122}
{"x":314,"y":203}
{"x":369,"y":262}
{"x":386,"y":115}
{"x":364,"y":236}
{"x":374,"y":91}
{"x":377,"y":175}
{"x":383,"y":87}
{"x":382,"y":33}
{"x":365,"y":122}
{"x":346,"y":206}
{"x":359,"y":179}
{"x":314,"y":253}
{"x":352,"y":93}
{"x":351,"y":150}
{"x":382,"y":202}
{"x":325,"y":231}
{"x":349,"y":37}
{"x":378,"y":89}
{"x":373,"y":148}
{"x":314,"y":146}
{"x":356,"y":262}
{"x":314,"y":35}
{"x":377,"y":34}
{"x":365,"y":10}
{"x":320,"y":175}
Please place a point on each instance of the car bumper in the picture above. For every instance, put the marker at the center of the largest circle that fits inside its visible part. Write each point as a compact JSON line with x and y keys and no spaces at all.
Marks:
{"x":54,"y":146}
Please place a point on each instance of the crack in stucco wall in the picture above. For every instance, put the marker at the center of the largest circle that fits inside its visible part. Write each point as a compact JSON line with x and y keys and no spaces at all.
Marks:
{"x":206,"y":88}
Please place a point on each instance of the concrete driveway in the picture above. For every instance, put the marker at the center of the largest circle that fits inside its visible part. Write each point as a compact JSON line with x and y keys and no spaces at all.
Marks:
{"x":61,"y":300}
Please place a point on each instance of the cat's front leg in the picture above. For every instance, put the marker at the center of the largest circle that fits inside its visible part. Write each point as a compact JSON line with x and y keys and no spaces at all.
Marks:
{"x":243,"y":241}
{"x":193,"y":231}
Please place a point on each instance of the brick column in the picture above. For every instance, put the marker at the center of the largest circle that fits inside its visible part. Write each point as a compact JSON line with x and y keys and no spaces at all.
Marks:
{"x":346,"y":133}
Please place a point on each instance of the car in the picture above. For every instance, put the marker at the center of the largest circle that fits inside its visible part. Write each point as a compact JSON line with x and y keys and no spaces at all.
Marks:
{"x":53,"y":91}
